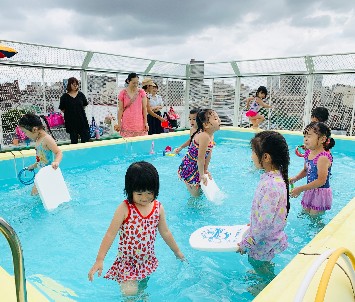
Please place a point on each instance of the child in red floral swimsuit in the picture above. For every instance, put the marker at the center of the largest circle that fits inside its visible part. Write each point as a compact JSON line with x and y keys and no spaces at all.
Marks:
{"x":137,"y":219}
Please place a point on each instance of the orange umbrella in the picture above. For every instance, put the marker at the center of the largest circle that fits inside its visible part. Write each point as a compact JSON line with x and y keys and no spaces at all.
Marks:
{"x":7,"y":52}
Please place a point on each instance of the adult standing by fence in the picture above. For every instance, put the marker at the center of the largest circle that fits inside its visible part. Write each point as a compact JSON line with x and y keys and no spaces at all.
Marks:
{"x":72,"y":104}
{"x":132,"y":109}
{"x":156,"y":105}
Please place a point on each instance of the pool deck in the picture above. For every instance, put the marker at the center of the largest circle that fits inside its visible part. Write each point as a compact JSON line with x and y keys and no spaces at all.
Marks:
{"x":339,"y":232}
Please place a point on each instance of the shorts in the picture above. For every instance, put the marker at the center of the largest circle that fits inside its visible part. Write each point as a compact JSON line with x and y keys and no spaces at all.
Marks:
{"x":251,"y":113}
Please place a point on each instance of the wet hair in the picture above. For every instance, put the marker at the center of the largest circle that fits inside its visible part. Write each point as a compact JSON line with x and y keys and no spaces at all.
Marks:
{"x":321,"y":114}
{"x":275,"y":145}
{"x":140,"y":177}
{"x":71,"y":81}
{"x":194,"y":111}
{"x":202,"y":117}
{"x":131,"y":76}
{"x":261,"y":89}
{"x":29,"y":121}
{"x":321,"y":129}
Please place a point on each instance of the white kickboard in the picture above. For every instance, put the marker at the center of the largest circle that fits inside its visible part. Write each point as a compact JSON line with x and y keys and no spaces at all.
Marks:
{"x":51,"y":187}
{"x":211,"y":191}
{"x":218,"y":238}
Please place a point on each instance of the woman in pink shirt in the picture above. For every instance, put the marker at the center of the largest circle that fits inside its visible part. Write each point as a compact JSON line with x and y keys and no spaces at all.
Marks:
{"x":132,"y":109}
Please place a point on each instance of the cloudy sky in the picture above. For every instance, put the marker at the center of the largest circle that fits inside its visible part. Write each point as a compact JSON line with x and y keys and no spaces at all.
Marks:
{"x":176,"y":31}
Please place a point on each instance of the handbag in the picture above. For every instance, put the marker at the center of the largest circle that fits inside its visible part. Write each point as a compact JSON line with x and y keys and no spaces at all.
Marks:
{"x":172,"y":114}
{"x":95,"y":131}
{"x":55,"y":119}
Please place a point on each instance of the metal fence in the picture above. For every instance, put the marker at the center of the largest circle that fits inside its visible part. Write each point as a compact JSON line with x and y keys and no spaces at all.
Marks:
{"x":35,"y":78}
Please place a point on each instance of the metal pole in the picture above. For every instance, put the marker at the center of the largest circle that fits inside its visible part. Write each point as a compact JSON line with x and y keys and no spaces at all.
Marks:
{"x":352,"y":118}
{"x":237,"y":104}
{"x":44,"y":94}
{"x":17,"y":258}
{"x":308,"y":100}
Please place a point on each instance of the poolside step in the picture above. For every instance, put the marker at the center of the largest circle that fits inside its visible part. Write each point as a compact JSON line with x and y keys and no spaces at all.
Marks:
{"x":8,"y":290}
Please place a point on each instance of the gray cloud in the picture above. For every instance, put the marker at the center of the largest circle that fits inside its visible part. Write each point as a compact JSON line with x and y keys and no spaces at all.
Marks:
{"x":163,"y":24}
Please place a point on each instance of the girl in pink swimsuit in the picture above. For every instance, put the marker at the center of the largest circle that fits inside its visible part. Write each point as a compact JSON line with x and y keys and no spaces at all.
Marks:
{"x":137,"y":219}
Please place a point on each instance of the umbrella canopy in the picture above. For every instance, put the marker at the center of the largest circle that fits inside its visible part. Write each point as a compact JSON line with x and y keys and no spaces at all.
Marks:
{"x":7,"y":52}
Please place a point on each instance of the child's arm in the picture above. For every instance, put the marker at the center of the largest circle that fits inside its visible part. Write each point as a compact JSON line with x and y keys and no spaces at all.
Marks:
{"x":322,"y":167}
{"x":248,"y":102}
{"x":299,"y":176}
{"x":204,"y":139}
{"x":262,"y":104}
{"x":117,"y":220}
{"x":185,"y":144}
{"x":52,"y":145}
{"x":167,"y":236}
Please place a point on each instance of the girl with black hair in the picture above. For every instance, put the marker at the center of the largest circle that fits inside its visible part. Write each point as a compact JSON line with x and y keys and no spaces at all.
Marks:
{"x":137,"y":219}
{"x":46,"y":147}
{"x":194,"y":166}
{"x":317,"y":196}
{"x":266,"y":236}
{"x":253,"y":105}
{"x":192,"y":120}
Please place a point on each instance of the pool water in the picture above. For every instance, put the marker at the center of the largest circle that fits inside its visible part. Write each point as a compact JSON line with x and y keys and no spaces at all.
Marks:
{"x":62,"y":245}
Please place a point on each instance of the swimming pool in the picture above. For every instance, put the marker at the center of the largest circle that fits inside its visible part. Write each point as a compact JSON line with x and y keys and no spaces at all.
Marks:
{"x":62,"y":245}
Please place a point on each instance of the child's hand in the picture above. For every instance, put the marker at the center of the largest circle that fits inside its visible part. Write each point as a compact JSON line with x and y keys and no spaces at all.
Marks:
{"x":32,"y":167}
{"x":203,"y":179}
{"x":177,"y":150}
{"x":117,"y":127}
{"x":295,"y":192}
{"x":98,"y":266}
{"x":239,"y":250}
{"x":209,"y":174}
{"x":55,"y":165}
{"x":180,"y":256}
{"x":292,"y":180}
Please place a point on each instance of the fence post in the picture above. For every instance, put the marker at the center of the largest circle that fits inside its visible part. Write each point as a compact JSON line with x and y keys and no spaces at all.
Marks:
{"x":352,"y":118}
{"x":187,"y":95}
{"x":309,"y":91}
{"x":237,"y":104}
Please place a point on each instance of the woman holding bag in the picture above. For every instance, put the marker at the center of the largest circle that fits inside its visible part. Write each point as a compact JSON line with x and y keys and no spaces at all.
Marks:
{"x":72,"y":104}
{"x":132,"y":109}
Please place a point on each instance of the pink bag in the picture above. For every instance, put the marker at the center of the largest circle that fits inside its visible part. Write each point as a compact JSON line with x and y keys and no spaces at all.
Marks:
{"x":55,"y":119}
{"x":172,"y":114}
{"x":20,"y":134}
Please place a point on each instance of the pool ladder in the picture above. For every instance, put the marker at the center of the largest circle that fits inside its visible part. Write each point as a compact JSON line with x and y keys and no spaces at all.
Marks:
{"x":333,"y":255}
{"x":17,"y":258}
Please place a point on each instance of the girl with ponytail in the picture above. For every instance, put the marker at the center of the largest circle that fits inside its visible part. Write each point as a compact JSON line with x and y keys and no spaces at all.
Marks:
{"x":266,"y":236}
{"x":194,"y":166}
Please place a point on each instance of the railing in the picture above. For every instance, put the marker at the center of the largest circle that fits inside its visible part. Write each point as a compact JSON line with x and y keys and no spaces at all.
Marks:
{"x":35,"y":78}
{"x":17,"y":257}
{"x":333,"y":255}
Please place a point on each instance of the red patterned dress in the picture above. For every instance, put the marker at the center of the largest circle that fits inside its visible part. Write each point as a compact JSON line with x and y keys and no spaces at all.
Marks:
{"x":136,"y":257}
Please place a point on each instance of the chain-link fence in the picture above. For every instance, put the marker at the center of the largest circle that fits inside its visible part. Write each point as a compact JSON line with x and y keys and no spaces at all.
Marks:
{"x":35,"y":78}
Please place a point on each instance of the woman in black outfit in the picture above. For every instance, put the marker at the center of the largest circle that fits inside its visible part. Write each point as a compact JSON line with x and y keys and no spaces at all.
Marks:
{"x":72,"y":104}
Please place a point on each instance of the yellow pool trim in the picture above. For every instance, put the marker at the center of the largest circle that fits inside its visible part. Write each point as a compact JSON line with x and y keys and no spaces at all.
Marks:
{"x":115,"y":141}
{"x":8,"y":291}
{"x":339,"y":232}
